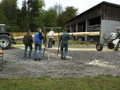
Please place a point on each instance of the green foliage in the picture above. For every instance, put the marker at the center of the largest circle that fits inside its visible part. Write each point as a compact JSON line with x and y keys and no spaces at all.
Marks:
{"x":69,"y":13}
{"x":2,"y":17}
{"x":22,"y":17}
{"x":78,"y":43}
{"x":34,"y":9}
{"x":8,"y":14}
{"x":14,"y":28}
{"x":50,"y":18}
{"x":102,"y":82}
{"x":10,"y":10}
{"x":58,"y":8}
{"x":41,"y":18}
{"x":55,"y":16}
{"x":32,"y":15}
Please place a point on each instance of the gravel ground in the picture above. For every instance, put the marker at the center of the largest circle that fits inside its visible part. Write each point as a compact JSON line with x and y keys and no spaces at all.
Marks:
{"x":81,"y":61}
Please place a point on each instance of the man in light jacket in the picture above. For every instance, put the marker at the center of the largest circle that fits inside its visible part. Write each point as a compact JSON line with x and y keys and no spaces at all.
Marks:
{"x":50,"y":36}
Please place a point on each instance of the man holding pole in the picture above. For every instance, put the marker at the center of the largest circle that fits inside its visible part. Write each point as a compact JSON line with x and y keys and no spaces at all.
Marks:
{"x":64,"y":44}
{"x":38,"y":44}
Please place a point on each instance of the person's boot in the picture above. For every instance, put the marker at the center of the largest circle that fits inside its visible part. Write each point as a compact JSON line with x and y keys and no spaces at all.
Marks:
{"x":35,"y":59}
{"x":62,"y":57}
{"x":39,"y":59}
{"x":65,"y":58}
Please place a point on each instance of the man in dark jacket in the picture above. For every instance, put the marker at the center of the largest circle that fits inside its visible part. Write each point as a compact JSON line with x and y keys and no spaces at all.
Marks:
{"x":27,"y":40}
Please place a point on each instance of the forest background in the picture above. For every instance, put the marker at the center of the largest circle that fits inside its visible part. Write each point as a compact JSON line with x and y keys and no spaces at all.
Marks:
{"x":32,"y":15}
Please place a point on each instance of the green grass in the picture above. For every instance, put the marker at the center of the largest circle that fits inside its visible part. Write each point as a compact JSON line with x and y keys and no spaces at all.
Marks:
{"x":71,"y":43}
{"x":79,"y":43}
{"x":19,"y":43}
{"x":102,"y":82}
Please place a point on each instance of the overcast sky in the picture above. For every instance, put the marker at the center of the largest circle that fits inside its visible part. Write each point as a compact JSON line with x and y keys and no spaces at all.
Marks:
{"x":82,"y":5}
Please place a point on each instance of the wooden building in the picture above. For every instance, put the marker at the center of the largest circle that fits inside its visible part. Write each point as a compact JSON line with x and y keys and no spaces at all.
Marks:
{"x":103,"y":17}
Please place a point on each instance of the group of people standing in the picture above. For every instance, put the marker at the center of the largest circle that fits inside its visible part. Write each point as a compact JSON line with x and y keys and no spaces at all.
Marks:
{"x":28,"y":41}
{"x":37,"y":40}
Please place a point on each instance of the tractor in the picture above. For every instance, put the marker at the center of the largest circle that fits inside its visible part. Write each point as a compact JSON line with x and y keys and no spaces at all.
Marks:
{"x":6,"y":39}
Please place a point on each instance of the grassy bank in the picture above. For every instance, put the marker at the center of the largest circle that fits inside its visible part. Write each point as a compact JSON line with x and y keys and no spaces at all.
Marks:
{"x":71,"y":43}
{"x":102,"y":82}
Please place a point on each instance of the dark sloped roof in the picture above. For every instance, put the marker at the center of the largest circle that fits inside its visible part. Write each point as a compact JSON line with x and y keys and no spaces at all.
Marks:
{"x":98,"y":5}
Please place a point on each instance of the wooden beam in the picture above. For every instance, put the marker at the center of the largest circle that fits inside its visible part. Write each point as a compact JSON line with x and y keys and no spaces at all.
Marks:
{"x":73,"y":34}
{"x":81,"y":34}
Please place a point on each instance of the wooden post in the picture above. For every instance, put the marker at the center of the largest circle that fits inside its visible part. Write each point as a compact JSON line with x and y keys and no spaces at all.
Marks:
{"x":70,"y":28}
{"x":76,"y":29}
{"x":86,"y":29}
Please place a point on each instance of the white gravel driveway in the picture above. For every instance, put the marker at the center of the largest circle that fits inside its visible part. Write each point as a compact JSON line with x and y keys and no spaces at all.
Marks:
{"x":81,"y":61}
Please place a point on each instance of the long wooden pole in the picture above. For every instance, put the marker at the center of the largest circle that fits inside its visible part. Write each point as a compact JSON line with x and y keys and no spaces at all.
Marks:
{"x":73,"y":34}
{"x":81,"y":34}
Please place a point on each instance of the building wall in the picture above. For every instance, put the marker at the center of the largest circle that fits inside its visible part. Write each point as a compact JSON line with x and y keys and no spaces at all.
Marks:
{"x":108,"y":26}
{"x":108,"y":15}
{"x":111,"y":12}
{"x":87,"y":15}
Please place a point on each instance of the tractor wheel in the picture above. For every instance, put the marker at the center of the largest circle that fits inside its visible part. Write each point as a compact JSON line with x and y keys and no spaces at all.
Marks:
{"x":110,"y":45}
{"x":99,"y":47}
{"x":5,"y":41}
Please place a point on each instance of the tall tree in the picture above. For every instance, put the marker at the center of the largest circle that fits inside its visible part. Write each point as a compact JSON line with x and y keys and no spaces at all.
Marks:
{"x":31,"y":14}
{"x":69,"y":13}
{"x":23,"y":17}
{"x":10,"y":10}
{"x":58,"y":8}
{"x":51,"y":15}
{"x":50,"y":18}
{"x":34,"y":8}
{"x":2,"y":16}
